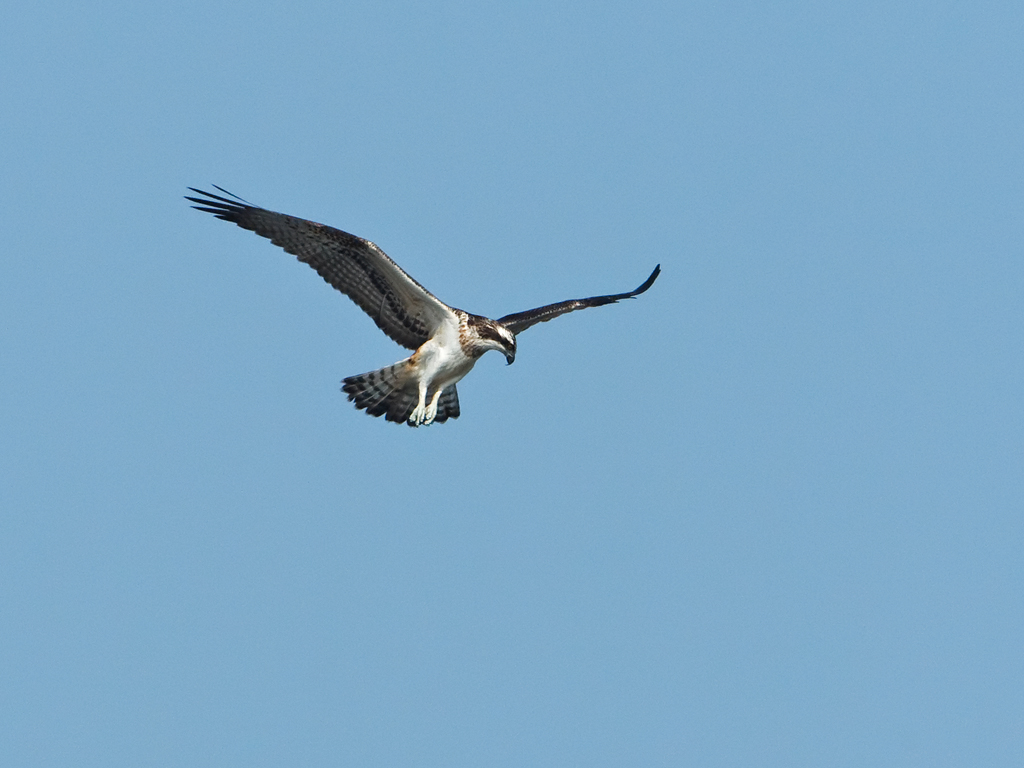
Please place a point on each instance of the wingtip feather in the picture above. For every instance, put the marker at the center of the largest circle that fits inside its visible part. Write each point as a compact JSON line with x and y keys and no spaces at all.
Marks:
{"x":648,"y":282}
{"x":209,"y":197}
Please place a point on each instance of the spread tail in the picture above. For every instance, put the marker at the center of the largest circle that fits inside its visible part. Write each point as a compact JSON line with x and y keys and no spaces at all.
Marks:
{"x":392,"y":393}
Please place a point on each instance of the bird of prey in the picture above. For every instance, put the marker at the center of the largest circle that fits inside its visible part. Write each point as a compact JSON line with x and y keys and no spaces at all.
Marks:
{"x":446,"y":342}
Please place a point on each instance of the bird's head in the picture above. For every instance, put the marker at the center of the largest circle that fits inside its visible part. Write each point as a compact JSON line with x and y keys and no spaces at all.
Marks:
{"x":510,"y":344}
{"x":495,"y":336}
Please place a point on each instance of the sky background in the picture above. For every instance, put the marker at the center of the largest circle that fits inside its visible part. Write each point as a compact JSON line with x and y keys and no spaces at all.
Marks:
{"x":768,"y":514}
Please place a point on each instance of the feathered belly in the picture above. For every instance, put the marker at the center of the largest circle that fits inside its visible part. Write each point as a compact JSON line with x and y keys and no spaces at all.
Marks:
{"x":439,"y":366}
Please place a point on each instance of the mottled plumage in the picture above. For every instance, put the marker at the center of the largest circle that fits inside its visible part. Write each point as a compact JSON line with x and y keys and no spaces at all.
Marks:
{"x":447,"y":341}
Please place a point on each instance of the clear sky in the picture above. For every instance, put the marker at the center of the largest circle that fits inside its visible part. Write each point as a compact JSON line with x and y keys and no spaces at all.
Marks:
{"x":768,"y":514}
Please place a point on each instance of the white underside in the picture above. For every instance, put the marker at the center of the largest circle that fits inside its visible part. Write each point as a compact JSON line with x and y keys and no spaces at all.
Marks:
{"x":438,"y":364}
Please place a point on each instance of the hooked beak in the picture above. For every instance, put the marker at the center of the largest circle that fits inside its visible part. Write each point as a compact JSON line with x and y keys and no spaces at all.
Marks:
{"x":510,"y":357}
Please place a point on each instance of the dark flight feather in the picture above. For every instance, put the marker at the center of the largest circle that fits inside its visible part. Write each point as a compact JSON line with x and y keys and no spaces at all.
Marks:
{"x":520,"y":321}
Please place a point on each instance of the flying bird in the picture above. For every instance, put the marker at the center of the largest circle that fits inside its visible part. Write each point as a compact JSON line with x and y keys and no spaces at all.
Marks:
{"x":446,"y":341}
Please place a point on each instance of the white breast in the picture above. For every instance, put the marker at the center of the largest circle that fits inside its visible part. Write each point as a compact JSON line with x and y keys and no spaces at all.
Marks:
{"x":440,"y":362}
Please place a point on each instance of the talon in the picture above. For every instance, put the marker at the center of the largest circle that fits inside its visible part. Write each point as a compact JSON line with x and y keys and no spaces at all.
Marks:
{"x":416,"y":417}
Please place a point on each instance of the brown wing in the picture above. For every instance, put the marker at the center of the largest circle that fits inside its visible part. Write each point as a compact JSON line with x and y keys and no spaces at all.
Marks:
{"x":401,"y":307}
{"x":520,"y":321}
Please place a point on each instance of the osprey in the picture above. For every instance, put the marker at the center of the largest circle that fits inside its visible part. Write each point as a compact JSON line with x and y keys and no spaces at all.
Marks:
{"x":446,"y":341}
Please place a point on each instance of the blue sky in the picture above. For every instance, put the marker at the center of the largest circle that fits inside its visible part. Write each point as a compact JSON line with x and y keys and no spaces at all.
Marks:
{"x":768,"y":514}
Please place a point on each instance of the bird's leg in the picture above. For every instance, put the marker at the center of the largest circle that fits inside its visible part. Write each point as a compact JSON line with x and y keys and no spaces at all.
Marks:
{"x":432,"y":408}
{"x":419,"y":413}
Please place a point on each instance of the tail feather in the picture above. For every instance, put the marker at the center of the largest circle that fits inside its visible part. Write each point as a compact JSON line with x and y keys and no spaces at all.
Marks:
{"x":392,"y":393}
{"x":448,"y":405}
{"x":387,"y":392}
{"x":400,"y":406}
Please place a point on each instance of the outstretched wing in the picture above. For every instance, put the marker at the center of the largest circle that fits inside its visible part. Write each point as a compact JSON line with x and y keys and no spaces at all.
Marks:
{"x":520,"y":321}
{"x":401,"y":307}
